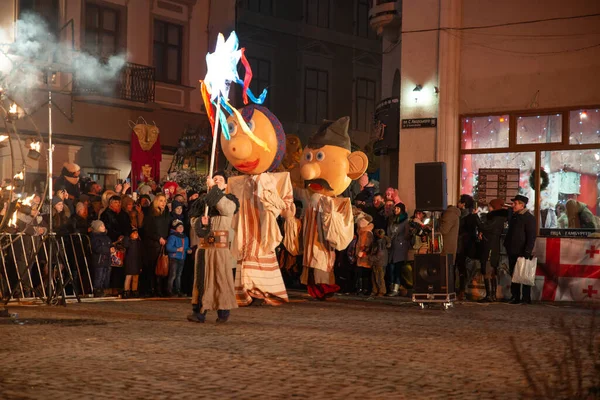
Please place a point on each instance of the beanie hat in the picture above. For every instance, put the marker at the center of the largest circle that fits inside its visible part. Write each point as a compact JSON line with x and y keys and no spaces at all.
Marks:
{"x":97,"y":225}
{"x":176,"y":204}
{"x":56,"y":200}
{"x":177,"y":223}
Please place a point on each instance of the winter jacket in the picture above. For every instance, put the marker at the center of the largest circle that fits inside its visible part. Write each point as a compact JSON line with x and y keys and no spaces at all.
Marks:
{"x":492,"y":227}
{"x":79,"y":224}
{"x":520,"y":238}
{"x":399,"y":235}
{"x":155,"y":227}
{"x":101,"y":245}
{"x":449,"y":227}
{"x":117,"y":225}
{"x":467,"y":235}
{"x":175,"y":241}
{"x":379,"y":252}
{"x":378,"y":215}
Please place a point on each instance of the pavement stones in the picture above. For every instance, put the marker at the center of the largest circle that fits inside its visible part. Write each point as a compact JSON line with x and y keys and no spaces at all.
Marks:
{"x":345,"y":348}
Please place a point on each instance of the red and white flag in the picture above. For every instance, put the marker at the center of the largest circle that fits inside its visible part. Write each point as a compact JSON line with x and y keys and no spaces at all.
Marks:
{"x":568,"y":269}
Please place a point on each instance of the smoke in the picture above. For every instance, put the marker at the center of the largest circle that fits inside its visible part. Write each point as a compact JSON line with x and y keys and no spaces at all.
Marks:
{"x":26,"y":62}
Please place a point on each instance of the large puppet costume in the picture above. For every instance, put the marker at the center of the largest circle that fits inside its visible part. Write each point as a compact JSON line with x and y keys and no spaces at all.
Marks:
{"x":255,"y":150}
{"x":327,"y":166}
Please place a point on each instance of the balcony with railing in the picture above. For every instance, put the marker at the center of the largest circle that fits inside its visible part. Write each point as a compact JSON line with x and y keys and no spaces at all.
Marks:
{"x":385,"y":17}
{"x":135,"y":82}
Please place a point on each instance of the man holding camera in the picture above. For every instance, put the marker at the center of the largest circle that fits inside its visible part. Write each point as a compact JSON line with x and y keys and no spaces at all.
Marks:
{"x":519,"y":242}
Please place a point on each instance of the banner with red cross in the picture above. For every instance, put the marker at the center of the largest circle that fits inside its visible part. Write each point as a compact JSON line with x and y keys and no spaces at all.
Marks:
{"x":568,"y":270}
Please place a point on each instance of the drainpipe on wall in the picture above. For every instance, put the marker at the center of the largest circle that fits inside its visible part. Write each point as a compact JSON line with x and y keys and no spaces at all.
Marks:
{"x":437,"y":130}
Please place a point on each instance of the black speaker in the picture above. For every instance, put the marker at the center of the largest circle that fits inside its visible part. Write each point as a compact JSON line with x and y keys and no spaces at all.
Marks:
{"x":430,"y":186}
{"x":433,"y":274}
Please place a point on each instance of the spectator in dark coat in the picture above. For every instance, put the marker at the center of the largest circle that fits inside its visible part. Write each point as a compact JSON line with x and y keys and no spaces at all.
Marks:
{"x":467,"y":240}
{"x":519,"y":242}
{"x":155,"y":233}
{"x":490,"y":230}
{"x":377,"y":212}
{"x":116,"y":220}
{"x":80,"y":221}
{"x":101,"y":253}
{"x":399,"y":235}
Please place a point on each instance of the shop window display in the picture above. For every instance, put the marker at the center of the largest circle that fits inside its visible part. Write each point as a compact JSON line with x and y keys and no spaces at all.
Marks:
{"x":539,"y":129}
{"x":472,"y":163}
{"x":570,"y":201}
{"x":485,"y":132}
{"x":584,"y":126}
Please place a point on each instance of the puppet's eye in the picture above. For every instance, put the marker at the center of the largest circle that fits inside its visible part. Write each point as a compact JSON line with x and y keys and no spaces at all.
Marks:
{"x":251,"y":125}
{"x":320,"y":156}
{"x":232,"y":127}
{"x":308,"y":156}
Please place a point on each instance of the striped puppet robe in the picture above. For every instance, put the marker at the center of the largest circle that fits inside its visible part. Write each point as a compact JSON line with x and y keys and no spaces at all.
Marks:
{"x":328,"y":226}
{"x":262,"y":198}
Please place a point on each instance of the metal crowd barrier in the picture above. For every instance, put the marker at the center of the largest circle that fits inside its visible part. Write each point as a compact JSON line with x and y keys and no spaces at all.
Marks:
{"x":24,"y":266}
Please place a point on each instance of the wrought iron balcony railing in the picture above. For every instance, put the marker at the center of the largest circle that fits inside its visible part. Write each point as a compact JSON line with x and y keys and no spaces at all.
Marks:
{"x":135,"y":82}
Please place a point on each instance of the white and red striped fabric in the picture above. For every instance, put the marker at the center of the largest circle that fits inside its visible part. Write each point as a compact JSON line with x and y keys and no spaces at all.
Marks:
{"x":568,"y":270}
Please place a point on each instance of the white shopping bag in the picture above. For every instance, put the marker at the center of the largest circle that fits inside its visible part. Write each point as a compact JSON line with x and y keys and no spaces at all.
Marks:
{"x":525,"y":271}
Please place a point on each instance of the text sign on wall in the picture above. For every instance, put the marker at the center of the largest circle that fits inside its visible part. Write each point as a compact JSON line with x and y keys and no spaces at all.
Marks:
{"x":497,"y":183}
{"x":419,"y":123}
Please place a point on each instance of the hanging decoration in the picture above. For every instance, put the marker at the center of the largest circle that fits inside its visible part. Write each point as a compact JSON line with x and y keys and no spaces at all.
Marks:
{"x":543,"y":176}
{"x":146,"y":153}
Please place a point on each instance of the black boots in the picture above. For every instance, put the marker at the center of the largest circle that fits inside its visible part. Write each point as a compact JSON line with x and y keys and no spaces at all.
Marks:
{"x":223,"y":316}
{"x":197,"y":317}
{"x":488,"y":291}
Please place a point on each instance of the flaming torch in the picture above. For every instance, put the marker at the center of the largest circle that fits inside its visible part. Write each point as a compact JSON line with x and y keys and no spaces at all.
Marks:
{"x":34,"y":150}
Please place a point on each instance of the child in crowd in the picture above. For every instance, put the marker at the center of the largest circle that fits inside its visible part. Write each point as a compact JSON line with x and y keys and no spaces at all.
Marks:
{"x":178,"y":246}
{"x":102,"y":249}
{"x":379,"y":261}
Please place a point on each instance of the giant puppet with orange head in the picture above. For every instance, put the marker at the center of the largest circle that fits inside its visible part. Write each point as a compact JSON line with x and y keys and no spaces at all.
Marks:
{"x":256,"y":148}
{"x":327,"y":167}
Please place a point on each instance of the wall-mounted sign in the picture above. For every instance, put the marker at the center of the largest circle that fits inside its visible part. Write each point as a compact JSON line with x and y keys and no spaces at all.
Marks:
{"x":419,"y":123}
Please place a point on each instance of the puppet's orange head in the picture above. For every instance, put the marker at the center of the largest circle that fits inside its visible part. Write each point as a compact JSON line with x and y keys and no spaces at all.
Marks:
{"x":327,"y":165}
{"x":257,"y":147}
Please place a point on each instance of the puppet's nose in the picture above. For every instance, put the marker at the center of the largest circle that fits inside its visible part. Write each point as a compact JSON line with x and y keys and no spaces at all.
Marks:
{"x":310,"y":171}
{"x":240,"y":147}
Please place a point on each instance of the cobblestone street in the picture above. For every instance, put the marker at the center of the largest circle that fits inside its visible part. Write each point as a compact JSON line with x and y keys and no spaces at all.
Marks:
{"x":343,"y":348}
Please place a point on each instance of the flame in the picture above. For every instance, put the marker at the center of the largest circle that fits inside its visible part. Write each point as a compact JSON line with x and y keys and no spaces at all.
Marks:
{"x":13,"y":220}
{"x":3,"y":138}
{"x":35,"y":146}
{"x":13,"y":108}
{"x":19,"y":176}
{"x":28,"y":200}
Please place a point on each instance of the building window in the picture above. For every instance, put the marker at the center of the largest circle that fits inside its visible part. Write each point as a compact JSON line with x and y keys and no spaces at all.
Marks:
{"x":565,"y":155}
{"x":316,"y":95}
{"x":363,"y":29}
{"x":101,"y":30}
{"x":364,"y":104}
{"x":261,"y":6}
{"x":168,"y":47}
{"x":47,"y":9}
{"x":317,"y":13}
{"x":261,"y":77}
